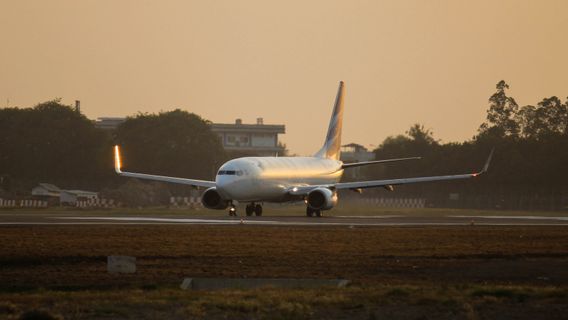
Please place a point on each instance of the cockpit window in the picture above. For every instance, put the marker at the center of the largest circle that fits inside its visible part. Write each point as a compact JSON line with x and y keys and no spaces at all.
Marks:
{"x":230,"y":172}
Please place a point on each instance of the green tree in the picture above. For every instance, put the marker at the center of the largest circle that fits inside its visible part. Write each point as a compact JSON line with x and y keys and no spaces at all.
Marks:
{"x":175,"y":143}
{"x":52,"y":142}
{"x":417,"y":141}
{"x":502,"y":113}
{"x":549,"y":117}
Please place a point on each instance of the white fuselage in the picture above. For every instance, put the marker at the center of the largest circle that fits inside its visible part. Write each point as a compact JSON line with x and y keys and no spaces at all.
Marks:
{"x":269,"y":179}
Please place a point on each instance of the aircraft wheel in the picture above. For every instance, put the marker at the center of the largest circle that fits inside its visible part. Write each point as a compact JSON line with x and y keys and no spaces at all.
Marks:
{"x":249,"y":210}
{"x":319,"y":213}
{"x":309,"y":212}
{"x":258,"y":210}
{"x":232,"y":211}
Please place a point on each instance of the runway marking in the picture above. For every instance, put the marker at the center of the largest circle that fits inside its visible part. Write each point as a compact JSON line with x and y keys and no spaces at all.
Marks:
{"x":174,"y":220}
{"x":128,"y":220}
{"x":359,"y":221}
{"x":149,"y":221}
{"x":370,"y":217}
{"x":514,"y":217}
{"x":385,"y":224}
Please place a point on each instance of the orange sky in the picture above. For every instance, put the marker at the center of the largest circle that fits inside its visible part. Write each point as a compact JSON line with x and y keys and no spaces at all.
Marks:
{"x":433,"y":62}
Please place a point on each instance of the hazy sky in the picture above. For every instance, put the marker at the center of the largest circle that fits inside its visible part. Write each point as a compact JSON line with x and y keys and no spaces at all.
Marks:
{"x":433,"y":62}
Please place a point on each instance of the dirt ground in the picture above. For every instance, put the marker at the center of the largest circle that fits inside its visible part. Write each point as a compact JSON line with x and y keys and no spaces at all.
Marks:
{"x":470,"y":272}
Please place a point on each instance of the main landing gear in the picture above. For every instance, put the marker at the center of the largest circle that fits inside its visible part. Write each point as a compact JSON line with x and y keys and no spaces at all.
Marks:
{"x":253,"y":208}
{"x":250,"y":209}
{"x":311,"y":212}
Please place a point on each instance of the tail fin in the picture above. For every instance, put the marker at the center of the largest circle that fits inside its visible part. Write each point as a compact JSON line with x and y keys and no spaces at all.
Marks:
{"x":332,"y":145}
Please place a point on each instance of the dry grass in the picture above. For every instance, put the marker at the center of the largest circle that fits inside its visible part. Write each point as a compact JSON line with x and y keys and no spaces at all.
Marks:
{"x":265,"y":303}
{"x":444,"y":272}
{"x":75,"y":256}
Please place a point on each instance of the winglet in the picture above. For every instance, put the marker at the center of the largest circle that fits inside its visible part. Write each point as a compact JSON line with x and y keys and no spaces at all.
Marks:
{"x":487,"y":162}
{"x":117,"y":162}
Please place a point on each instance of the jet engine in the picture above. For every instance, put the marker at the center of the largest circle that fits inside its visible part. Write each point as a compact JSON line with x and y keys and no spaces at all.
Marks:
{"x":322,"y":199}
{"x":211,"y":199}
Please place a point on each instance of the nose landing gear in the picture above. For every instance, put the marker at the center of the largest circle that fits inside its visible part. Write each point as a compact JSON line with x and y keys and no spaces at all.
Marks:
{"x":232,"y":210}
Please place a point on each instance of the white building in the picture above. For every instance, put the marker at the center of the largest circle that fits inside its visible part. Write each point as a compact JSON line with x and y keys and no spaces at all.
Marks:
{"x":257,"y":139}
{"x":70,"y":197}
{"x":355,"y":153}
{"x":53,"y":194}
{"x":46,"y":190}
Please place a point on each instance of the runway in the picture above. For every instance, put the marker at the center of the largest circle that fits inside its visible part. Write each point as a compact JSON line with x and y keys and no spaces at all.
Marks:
{"x":7,"y":219}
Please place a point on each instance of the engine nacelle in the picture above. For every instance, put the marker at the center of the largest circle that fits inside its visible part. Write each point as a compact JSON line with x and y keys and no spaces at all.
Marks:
{"x":322,"y":199}
{"x":211,"y":199}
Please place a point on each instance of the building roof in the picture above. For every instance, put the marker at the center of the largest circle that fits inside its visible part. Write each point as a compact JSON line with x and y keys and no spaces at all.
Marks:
{"x":50,"y":187}
{"x":354,"y":147}
{"x":354,"y":152}
{"x":109,"y":122}
{"x":81,"y":193}
{"x":113,"y":122}
{"x":259,"y":128}
{"x":46,"y":189}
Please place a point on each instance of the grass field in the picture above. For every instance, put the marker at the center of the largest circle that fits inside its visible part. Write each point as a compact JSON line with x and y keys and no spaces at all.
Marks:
{"x":469,"y":272}
{"x":374,"y":302}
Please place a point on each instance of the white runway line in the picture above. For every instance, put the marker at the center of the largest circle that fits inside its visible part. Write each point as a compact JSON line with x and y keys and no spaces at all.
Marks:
{"x":385,"y":224}
{"x":514,"y":217}
{"x":138,"y":219}
{"x":128,"y":220}
{"x":370,"y":217}
{"x":359,"y":221}
{"x":152,"y":221}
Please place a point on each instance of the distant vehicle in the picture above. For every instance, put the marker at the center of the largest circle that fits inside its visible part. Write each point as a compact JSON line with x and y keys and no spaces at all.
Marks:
{"x":314,"y":180}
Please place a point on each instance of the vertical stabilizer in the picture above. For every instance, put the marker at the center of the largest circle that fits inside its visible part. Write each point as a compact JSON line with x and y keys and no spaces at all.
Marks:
{"x":332,"y":144}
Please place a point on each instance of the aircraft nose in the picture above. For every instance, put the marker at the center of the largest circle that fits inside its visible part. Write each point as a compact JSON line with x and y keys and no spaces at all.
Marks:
{"x":231,"y":186}
{"x":221,"y":182}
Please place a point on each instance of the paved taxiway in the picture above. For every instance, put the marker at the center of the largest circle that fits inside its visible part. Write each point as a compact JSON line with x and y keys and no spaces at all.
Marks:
{"x":384,"y":220}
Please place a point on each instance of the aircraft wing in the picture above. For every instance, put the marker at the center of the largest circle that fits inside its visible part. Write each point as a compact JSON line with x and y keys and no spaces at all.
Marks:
{"x":192,"y":182}
{"x":365,"y":163}
{"x":303,"y":190}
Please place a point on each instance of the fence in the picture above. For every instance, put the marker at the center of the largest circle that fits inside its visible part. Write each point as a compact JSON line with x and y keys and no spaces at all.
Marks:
{"x":463,"y":200}
{"x":95,"y":203}
{"x":388,"y":202}
{"x":4,"y":203}
{"x":189,"y":202}
{"x":500,"y":202}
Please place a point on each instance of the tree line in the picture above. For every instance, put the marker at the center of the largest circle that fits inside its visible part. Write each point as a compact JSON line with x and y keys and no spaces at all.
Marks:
{"x":530,"y":160}
{"x":53,"y":142}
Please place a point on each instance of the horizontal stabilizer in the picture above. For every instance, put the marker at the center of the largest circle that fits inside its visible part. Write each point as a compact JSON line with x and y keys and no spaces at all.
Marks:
{"x":365,"y":163}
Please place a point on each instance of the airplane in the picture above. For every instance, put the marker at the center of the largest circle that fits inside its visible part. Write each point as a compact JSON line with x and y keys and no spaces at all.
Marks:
{"x":314,"y":180}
